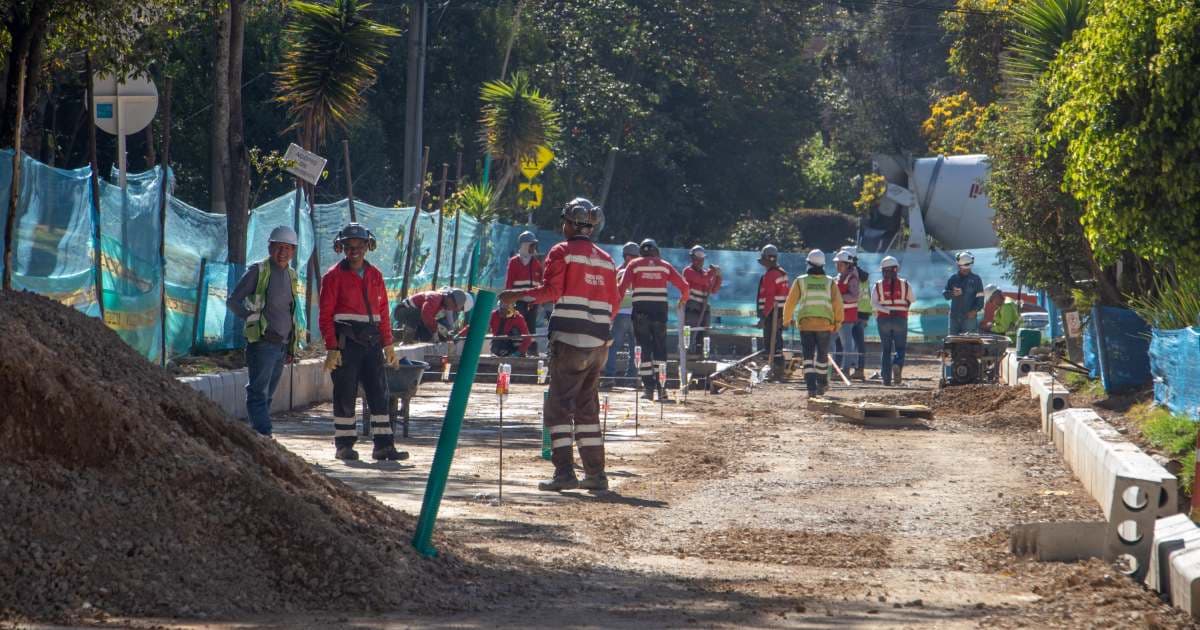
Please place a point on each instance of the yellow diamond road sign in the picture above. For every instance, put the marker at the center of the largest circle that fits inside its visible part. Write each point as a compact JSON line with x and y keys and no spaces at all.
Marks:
{"x":531,"y":167}
{"x":535,"y":189}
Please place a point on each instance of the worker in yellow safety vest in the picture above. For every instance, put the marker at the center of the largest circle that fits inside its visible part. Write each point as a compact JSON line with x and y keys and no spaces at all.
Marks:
{"x":815,"y":304}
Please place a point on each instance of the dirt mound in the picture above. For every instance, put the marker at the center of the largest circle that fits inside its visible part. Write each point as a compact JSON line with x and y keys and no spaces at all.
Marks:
{"x":989,"y":406}
{"x":818,"y":549}
{"x":126,"y":492}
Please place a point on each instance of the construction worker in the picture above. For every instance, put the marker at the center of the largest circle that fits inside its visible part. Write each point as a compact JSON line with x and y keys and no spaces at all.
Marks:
{"x":1004,"y":317}
{"x":525,"y":272}
{"x":266,"y":297}
{"x":581,"y":280}
{"x":772,"y":293}
{"x":865,"y":309}
{"x":702,"y":285}
{"x":622,"y":329}
{"x":819,"y":314}
{"x":965,"y":292}
{"x":430,"y":315}
{"x":847,"y":283}
{"x":510,"y":335}
{"x":358,"y":340}
{"x":648,"y":276}
{"x":892,"y":297}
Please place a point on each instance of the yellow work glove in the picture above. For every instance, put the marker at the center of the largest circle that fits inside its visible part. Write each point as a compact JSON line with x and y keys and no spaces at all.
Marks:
{"x":333,"y":360}
{"x":389,"y":355}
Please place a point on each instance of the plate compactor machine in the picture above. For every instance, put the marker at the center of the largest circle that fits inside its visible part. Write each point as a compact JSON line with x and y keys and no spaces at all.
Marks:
{"x":972,"y":358}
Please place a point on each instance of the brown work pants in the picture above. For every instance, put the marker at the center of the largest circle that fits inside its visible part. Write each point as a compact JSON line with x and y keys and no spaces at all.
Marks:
{"x":572,"y":413}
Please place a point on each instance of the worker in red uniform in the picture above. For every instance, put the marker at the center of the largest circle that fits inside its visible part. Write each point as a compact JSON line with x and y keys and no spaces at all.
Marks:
{"x":702,"y":285}
{"x":772,"y":293}
{"x":429,"y":315}
{"x":581,"y":280}
{"x":648,"y":276}
{"x":358,"y":339}
{"x":525,"y":272}
{"x":510,"y":336}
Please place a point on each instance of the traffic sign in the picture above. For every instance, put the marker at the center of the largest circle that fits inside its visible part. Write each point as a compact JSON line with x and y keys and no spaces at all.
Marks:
{"x":306,"y":165}
{"x":123,"y":107}
{"x":531,"y":166}
{"x":534,"y":197}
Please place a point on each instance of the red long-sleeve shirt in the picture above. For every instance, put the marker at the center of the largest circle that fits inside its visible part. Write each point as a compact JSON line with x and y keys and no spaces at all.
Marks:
{"x":504,"y":326}
{"x":648,"y":277}
{"x":772,"y":290}
{"x":702,"y":284}
{"x":522,"y":276}
{"x":581,"y":280}
{"x":430,"y":304}
{"x":342,"y":300}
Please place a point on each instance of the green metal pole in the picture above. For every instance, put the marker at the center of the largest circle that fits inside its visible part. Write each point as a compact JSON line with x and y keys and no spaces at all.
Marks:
{"x":485,"y":301}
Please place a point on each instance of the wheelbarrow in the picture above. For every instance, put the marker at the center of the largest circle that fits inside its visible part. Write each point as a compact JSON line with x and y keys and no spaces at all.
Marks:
{"x":403,"y":381}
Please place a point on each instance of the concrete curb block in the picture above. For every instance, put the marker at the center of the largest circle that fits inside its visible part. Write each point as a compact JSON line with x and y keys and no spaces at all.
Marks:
{"x":1052,"y":396}
{"x":1014,"y":368}
{"x":1132,"y":489}
{"x":1175,"y":563}
{"x":302,"y":383}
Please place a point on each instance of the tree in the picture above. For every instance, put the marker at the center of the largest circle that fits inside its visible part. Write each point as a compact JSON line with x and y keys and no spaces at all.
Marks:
{"x":795,"y":231}
{"x":1126,"y":110}
{"x":981,"y":32}
{"x":1042,"y":28}
{"x":956,"y":125}
{"x":334,"y":52}
{"x":515,"y":120}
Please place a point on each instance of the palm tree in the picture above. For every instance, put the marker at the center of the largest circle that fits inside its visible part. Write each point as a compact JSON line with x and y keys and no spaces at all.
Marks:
{"x":333,"y":53}
{"x":1041,"y":29}
{"x":516,"y":119}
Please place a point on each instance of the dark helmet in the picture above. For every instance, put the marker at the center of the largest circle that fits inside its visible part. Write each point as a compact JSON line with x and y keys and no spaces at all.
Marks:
{"x":631,"y":249}
{"x":583,"y":213}
{"x":769,"y":251}
{"x":527,"y":237}
{"x":354,"y":230}
{"x":649,"y":247}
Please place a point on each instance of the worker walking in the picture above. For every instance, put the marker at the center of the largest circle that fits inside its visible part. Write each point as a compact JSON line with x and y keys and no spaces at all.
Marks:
{"x":525,"y":272}
{"x":703,"y":284}
{"x":772,"y":293}
{"x":358,"y":339}
{"x":892,"y":297}
{"x":581,"y":280}
{"x":647,"y":277}
{"x":622,"y":328}
{"x":1001,"y":314}
{"x":815,"y":304}
{"x":847,"y":283}
{"x":430,"y":315}
{"x":965,"y":292}
{"x":266,"y":298}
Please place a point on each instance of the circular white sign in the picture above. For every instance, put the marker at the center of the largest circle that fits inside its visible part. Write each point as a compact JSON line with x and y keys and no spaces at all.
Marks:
{"x":133,"y":101}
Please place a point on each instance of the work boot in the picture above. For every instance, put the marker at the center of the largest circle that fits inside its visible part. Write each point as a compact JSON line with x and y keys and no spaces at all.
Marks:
{"x":559,"y":483}
{"x":648,"y":394}
{"x":594,"y":482}
{"x":858,"y":375}
{"x":389,"y":453}
{"x":897,"y":370}
{"x":346,"y":454}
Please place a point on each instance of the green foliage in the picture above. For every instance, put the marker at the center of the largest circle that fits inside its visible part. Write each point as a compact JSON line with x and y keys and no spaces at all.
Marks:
{"x":1174,"y":303}
{"x":874,"y":187}
{"x":515,"y":120}
{"x":795,"y":231}
{"x":956,"y":125}
{"x":1041,"y":28}
{"x":1080,"y":382}
{"x":474,"y":200}
{"x":1126,"y":109}
{"x":1173,"y":434}
{"x":825,"y":176}
{"x":333,"y":54}
{"x":980,"y":29}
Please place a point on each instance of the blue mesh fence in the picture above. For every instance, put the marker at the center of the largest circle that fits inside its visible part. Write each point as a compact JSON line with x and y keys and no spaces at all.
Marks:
{"x":1175,"y":366}
{"x":1121,"y":340}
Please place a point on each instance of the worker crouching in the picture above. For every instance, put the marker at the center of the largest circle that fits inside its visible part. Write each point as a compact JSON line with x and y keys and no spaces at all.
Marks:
{"x":815,"y":303}
{"x":429,"y":315}
{"x":358,"y":339}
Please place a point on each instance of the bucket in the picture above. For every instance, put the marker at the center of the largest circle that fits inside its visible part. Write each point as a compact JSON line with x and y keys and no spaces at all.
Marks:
{"x":1027,"y":340}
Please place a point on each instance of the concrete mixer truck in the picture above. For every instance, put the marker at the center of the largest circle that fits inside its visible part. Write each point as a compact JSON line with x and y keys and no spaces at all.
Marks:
{"x":940,"y":200}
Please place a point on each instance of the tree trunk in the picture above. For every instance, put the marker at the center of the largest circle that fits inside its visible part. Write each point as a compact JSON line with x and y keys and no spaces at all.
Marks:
{"x":151,"y":157}
{"x":25,"y":35}
{"x":219,"y":130}
{"x":238,"y":185}
{"x":15,"y":189}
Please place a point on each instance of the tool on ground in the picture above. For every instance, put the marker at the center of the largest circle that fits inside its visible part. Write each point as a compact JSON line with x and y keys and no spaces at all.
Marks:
{"x":839,"y":371}
{"x":456,"y":409}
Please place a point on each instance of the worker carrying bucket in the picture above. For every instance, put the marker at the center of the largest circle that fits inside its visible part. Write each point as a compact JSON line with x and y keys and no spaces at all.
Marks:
{"x":581,"y":280}
{"x":358,"y":340}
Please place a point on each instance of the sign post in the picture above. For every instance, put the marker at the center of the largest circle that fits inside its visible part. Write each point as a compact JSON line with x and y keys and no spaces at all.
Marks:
{"x":122,"y":108}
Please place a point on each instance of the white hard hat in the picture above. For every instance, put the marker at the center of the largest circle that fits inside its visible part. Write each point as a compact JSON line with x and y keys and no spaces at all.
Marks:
{"x":988,"y":291}
{"x":697,"y":251}
{"x":843,"y":256}
{"x":965,"y":259}
{"x":889,"y":262}
{"x":283,"y":234}
{"x":816,"y":258}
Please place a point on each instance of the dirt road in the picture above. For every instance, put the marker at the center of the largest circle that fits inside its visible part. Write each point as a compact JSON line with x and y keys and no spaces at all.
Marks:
{"x":750,"y":511}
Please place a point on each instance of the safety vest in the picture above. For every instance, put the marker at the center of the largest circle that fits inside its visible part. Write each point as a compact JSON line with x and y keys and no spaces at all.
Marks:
{"x":256,"y":324}
{"x":893,"y":295}
{"x":815,"y":300}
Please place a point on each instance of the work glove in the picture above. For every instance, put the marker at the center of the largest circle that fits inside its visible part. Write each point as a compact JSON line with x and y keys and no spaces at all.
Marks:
{"x":443,"y":333}
{"x":333,"y":360}
{"x":389,"y":355}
